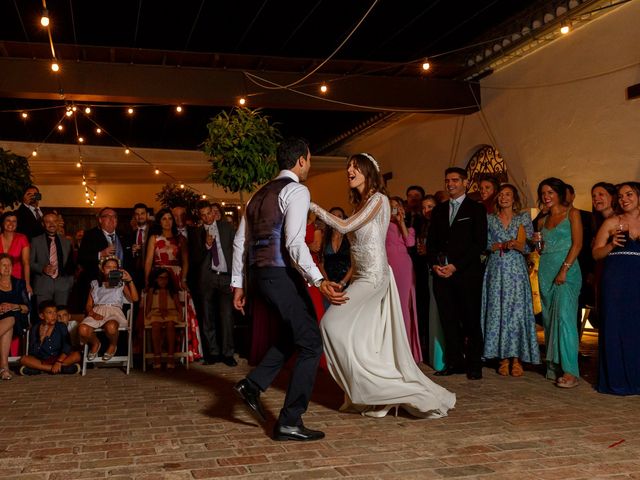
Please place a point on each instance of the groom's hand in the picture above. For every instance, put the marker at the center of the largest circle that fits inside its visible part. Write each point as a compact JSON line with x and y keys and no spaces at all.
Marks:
{"x":238,"y":299}
{"x":333,"y":292}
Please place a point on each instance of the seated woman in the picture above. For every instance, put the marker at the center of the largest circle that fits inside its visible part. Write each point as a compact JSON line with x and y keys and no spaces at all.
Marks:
{"x":162,"y":311}
{"x":104,"y":309}
{"x":49,"y":345}
{"x":14,"y":306}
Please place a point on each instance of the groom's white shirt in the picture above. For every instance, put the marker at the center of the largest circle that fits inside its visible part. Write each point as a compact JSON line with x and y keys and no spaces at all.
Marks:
{"x":293,"y":201}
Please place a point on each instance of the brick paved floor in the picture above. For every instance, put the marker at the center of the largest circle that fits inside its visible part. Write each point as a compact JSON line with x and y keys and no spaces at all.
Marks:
{"x":189,"y":425}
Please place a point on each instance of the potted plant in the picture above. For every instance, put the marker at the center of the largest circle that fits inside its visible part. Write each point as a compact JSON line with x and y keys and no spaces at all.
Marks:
{"x":173,"y":195}
{"x":241,"y":146}
{"x":15,"y":177}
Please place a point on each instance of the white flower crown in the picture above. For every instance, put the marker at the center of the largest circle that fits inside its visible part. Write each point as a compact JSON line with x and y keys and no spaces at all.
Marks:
{"x":373,"y":160}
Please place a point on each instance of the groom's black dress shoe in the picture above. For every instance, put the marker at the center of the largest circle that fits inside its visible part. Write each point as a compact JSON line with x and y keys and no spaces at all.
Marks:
{"x":300,"y":434}
{"x":448,"y":371}
{"x":251,"y":397}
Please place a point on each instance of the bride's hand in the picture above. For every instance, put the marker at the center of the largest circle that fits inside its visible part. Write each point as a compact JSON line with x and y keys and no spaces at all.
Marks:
{"x":333,"y":292}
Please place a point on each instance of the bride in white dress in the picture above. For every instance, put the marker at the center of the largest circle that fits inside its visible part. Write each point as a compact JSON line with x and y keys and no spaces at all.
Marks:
{"x":365,"y":340}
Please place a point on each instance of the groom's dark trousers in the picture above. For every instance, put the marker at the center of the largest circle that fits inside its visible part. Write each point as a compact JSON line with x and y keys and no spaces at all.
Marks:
{"x":284,"y":290}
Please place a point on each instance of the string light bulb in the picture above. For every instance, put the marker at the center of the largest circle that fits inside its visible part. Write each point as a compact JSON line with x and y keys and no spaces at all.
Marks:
{"x":564,"y":29}
{"x":55,"y":67}
{"x":25,"y":115}
{"x":44,"y":20}
{"x":127,"y":151}
{"x":34,"y":154}
{"x":78,"y":164}
{"x":74,"y":108}
{"x":204,"y":197}
{"x":69,"y":112}
{"x":87,"y":110}
{"x":426,"y":65}
{"x":324,"y":88}
{"x":242,"y":101}
{"x":84,"y":183}
{"x":157,"y":172}
{"x":98,"y":130}
{"x":182,"y":185}
{"x":179,"y":109}
{"x":81,"y":139}
{"x":60,"y":128}
{"x":86,"y":200}
{"x":130,"y":111}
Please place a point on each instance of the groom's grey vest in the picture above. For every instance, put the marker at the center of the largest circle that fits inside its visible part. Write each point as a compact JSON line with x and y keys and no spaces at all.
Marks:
{"x":265,"y":236}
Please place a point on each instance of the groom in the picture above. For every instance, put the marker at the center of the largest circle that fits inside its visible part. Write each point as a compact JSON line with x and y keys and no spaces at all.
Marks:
{"x":270,"y":241}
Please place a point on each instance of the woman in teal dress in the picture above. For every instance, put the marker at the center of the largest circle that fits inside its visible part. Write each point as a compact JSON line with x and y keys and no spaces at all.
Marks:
{"x":560,"y":281}
{"x":508,"y":324}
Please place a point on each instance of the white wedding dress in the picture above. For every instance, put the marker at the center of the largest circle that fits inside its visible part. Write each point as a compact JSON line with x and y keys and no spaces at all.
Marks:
{"x":365,"y":340}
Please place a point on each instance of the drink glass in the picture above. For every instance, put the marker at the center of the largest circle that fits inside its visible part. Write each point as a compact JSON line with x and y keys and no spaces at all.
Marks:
{"x":538,"y":241}
{"x":623,"y":229}
{"x":442,"y":259}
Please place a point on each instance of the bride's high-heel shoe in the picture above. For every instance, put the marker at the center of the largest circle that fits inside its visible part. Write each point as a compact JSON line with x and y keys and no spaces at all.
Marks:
{"x":381,"y":412}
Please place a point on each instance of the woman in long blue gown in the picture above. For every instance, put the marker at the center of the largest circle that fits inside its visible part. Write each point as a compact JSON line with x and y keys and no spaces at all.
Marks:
{"x":507,"y":317}
{"x":560,"y":281}
{"x":619,"y":333}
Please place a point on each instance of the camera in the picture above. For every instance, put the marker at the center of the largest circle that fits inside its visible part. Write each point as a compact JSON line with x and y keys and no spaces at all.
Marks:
{"x":114,"y":278}
{"x":37,"y":196}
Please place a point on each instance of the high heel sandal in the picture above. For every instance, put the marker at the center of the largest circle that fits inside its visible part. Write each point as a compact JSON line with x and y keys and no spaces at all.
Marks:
{"x":5,"y":374}
{"x":516,"y":368}
{"x":381,"y":412}
{"x":503,"y":368}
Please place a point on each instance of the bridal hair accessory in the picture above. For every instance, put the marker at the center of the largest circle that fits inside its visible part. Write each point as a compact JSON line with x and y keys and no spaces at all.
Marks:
{"x":373,"y":160}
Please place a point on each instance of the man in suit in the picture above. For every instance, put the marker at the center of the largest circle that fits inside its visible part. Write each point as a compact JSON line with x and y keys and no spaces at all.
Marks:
{"x":29,"y":214}
{"x":51,"y":265}
{"x":457,"y":236}
{"x":211,"y":251}
{"x":97,"y":243}
{"x":138,"y":241}
{"x":271,"y":234}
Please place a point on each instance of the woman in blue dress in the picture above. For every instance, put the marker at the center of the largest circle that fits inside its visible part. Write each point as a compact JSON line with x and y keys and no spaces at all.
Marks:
{"x":508,"y":322}
{"x":618,"y":243}
{"x":560,"y":281}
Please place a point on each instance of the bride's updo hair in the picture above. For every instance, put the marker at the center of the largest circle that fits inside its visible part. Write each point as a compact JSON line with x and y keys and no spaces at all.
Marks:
{"x":373,"y":181}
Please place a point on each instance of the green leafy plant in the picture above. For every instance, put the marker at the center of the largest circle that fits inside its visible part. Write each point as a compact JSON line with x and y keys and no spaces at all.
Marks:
{"x":15,"y":177}
{"x":241,"y":146}
{"x":173,"y":195}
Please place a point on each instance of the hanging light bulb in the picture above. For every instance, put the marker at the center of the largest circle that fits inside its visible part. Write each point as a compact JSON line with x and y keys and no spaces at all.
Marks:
{"x":84,"y":183}
{"x":81,"y":139}
{"x":98,"y":130}
{"x":130,"y":111}
{"x":78,"y":164}
{"x":86,"y":194}
{"x":157,"y":172}
{"x":426,"y":65}
{"x":74,"y":108}
{"x":44,"y":20}
{"x":87,"y":200}
{"x":34,"y":154}
{"x":564,"y":29}
{"x":87,"y":110}
{"x":69,"y":112}
{"x":324,"y":88}
{"x":25,"y":115}
{"x":60,"y":128}
{"x":55,"y":67}
{"x":179,"y":109}
{"x":242,"y":101}
{"x":204,"y":197}
{"x":182,"y":185}
{"x":222,"y":204}
{"x":127,"y":151}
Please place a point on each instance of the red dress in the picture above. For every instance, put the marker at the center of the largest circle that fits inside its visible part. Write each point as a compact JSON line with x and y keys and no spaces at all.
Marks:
{"x":166,"y":254}
{"x":15,"y":250}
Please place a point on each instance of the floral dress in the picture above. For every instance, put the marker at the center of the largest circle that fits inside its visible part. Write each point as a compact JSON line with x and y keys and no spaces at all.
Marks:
{"x":166,"y":254}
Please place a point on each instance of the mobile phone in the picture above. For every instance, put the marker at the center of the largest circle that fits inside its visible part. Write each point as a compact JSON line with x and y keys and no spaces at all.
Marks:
{"x":114,"y":278}
{"x":394,"y":211}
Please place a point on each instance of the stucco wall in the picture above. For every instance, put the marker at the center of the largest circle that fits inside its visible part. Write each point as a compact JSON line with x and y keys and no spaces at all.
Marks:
{"x":561,"y":111}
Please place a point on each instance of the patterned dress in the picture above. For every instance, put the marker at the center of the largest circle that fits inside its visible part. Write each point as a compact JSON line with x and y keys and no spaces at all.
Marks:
{"x":507,"y":317}
{"x":166,"y":254}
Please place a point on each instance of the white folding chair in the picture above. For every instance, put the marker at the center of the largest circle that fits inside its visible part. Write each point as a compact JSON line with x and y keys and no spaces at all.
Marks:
{"x":123,"y":359}
{"x":15,"y":360}
{"x":585,"y":325}
{"x":182,"y":353}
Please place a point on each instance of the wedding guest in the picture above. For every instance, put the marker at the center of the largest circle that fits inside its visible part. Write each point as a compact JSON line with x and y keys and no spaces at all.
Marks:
{"x":14,"y":307}
{"x":507,"y":309}
{"x":618,"y":245}
{"x":488,"y":189}
{"x":29,"y":214}
{"x":398,"y":239}
{"x":16,"y":245}
{"x":335,"y":254}
{"x":50,"y":348}
{"x":104,"y":309}
{"x":559,"y":279}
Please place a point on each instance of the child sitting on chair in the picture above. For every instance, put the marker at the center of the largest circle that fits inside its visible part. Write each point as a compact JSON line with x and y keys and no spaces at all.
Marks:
{"x":162,"y":311}
{"x":49,"y":345}
{"x":104,"y":308}
{"x":72,"y":325}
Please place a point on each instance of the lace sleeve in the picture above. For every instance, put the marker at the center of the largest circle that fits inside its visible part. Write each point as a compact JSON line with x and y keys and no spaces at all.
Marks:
{"x":355,"y":221}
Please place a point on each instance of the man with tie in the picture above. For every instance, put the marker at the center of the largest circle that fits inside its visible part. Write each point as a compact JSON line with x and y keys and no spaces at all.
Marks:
{"x":29,"y":214}
{"x":138,"y":241}
{"x":179,"y":213}
{"x":99,"y":242}
{"x":211,"y":251}
{"x":457,"y":236}
{"x":51,"y":265}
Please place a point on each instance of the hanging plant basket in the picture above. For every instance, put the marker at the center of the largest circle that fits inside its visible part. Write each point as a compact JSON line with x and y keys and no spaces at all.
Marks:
{"x":242,"y":148}
{"x":15,"y":177}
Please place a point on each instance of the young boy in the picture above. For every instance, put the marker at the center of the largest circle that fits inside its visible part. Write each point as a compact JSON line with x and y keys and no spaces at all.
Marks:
{"x":49,"y":345}
{"x":72,"y":325}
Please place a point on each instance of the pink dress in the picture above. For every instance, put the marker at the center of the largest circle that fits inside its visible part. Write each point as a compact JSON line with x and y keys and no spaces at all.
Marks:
{"x":400,"y":263}
{"x":15,"y":250}
{"x":166,"y":254}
